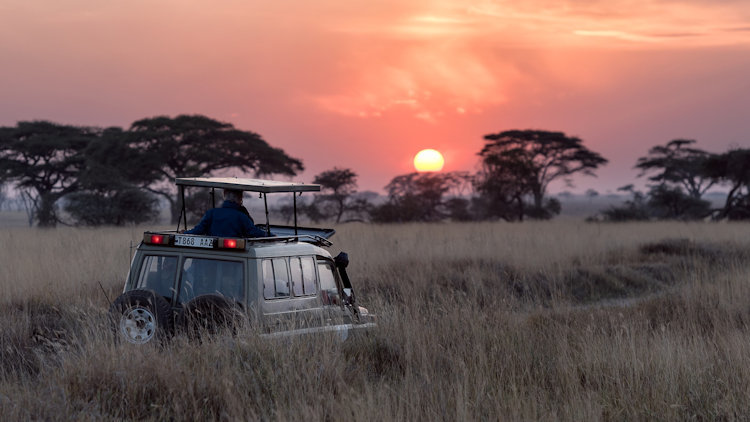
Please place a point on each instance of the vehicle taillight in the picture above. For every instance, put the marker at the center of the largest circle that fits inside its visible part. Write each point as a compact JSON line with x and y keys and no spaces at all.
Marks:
{"x":232,"y":243}
{"x":156,"y":239}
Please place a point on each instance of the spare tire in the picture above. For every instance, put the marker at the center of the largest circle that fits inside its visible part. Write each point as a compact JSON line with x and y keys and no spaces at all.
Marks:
{"x":211,"y":313}
{"x":139,"y":316}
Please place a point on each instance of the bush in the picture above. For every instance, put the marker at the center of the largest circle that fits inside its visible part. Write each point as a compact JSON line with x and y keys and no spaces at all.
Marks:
{"x":672,"y":203}
{"x":127,"y":206}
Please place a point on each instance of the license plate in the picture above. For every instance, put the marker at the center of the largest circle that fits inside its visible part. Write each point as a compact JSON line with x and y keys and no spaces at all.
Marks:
{"x":194,"y":241}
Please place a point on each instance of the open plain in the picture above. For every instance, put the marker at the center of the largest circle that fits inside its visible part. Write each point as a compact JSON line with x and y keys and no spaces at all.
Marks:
{"x":477,"y":321}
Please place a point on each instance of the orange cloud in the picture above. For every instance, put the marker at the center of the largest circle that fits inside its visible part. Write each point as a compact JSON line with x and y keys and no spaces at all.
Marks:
{"x":432,"y":60}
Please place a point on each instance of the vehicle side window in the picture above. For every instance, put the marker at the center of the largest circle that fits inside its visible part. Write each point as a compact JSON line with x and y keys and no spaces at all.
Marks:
{"x":158,"y":274}
{"x":308,"y":275}
{"x":281,"y":275}
{"x":275,"y":278}
{"x":295,"y":269}
{"x":212,"y":276}
{"x":328,"y":290}
{"x":269,"y":284}
{"x":302,"y":270}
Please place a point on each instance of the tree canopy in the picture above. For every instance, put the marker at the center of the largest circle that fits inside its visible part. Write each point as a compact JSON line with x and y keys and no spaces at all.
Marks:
{"x":194,"y":145}
{"x":44,"y":160}
{"x":520,"y":163}
{"x":337,"y":186}
{"x":109,"y":190}
{"x":732,"y":168}
{"x":678,"y":163}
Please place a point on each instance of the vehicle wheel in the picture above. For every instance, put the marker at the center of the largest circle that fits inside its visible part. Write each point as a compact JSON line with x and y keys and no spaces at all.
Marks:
{"x":211,"y":313}
{"x":139,"y":316}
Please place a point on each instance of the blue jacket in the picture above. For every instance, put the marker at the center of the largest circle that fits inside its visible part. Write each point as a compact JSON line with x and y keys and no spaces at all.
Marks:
{"x":227,"y":221}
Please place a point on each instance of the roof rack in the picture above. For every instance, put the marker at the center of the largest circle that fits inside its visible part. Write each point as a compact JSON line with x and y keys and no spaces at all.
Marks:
{"x":308,"y":238}
{"x":252,"y":185}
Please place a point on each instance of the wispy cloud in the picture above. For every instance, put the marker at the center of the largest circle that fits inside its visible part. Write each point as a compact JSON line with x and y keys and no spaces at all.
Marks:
{"x":696,"y":22}
{"x":427,"y":83}
{"x":424,"y":58}
{"x":738,"y":29}
{"x":453,"y":49}
{"x":617,"y":34}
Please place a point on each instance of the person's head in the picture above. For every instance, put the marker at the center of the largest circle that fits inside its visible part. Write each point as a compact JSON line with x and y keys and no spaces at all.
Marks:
{"x":233,"y":195}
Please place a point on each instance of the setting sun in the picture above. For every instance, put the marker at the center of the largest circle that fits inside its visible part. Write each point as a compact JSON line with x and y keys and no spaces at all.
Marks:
{"x":428,"y":160}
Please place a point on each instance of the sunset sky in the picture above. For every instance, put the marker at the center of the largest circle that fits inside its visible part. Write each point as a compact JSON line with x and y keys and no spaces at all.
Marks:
{"x":366,"y":85}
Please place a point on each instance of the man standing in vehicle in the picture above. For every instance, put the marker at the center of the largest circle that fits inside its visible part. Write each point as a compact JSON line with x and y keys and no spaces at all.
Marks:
{"x":229,"y":220}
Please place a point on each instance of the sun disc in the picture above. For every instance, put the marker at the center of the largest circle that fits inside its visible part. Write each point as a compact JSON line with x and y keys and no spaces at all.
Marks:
{"x":428,"y":160}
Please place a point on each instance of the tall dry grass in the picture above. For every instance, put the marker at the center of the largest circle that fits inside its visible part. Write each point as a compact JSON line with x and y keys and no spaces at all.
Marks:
{"x":539,"y":321}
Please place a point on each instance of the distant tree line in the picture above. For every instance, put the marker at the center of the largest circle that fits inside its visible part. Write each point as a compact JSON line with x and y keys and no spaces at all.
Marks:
{"x":114,"y":176}
{"x":679,"y":176}
{"x":517,"y":167}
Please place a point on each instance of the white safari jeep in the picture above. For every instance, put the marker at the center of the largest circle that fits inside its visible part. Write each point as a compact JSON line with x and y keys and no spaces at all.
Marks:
{"x":283,"y":285}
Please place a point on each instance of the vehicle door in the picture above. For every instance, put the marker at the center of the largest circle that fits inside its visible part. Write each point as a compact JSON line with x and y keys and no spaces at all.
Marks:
{"x":201,"y":275}
{"x":290,"y":293}
{"x":331,"y":292}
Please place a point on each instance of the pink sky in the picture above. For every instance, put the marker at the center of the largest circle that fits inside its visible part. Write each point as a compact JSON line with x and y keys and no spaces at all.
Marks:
{"x":366,"y":85}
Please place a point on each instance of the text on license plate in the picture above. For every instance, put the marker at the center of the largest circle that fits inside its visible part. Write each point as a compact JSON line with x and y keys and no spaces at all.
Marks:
{"x":195,"y":242}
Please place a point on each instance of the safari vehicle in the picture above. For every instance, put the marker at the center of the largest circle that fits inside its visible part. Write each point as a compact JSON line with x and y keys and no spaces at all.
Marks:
{"x":286,"y":284}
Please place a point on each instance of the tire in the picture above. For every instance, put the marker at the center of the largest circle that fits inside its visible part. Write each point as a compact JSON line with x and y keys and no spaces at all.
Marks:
{"x":209,"y":314}
{"x":141,"y":316}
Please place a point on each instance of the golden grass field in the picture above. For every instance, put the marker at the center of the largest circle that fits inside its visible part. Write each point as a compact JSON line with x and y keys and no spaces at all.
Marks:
{"x":477,"y":321}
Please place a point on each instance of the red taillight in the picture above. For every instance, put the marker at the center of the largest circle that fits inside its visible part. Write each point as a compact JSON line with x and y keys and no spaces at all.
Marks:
{"x":231,"y":243}
{"x":156,"y":239}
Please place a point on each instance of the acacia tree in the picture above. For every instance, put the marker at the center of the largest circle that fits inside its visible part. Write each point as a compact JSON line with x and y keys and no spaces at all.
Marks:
{"x":109,"y":183}
{"x":520,"y":163}
{"x":502,"y":185}
{"x":195,"y":145}
{"x":44,"y":160}
{"x":677,"y":163}
{"x":733,"y":168}
{"x":337,"y":186}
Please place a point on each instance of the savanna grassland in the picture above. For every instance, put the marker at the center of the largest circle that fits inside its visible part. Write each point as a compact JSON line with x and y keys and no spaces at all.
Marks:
{"x":477,"y":321}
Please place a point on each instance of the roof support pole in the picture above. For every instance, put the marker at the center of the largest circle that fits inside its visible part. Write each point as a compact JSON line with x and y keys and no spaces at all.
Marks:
{"x":184,"y":213}
{"x":294,"y":196}
{"x":265,"y":203}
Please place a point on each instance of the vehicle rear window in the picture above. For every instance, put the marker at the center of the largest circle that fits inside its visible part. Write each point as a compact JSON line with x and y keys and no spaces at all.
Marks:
{"x":158,"y":274}
{"x":212,"y":276}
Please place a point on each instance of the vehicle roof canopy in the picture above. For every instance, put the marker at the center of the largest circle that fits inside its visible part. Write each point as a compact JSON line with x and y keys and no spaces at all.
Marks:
{"x":252,"y":185}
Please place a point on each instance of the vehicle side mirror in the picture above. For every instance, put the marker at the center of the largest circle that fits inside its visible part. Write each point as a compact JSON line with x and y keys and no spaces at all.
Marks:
{"x":341,"y":260}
